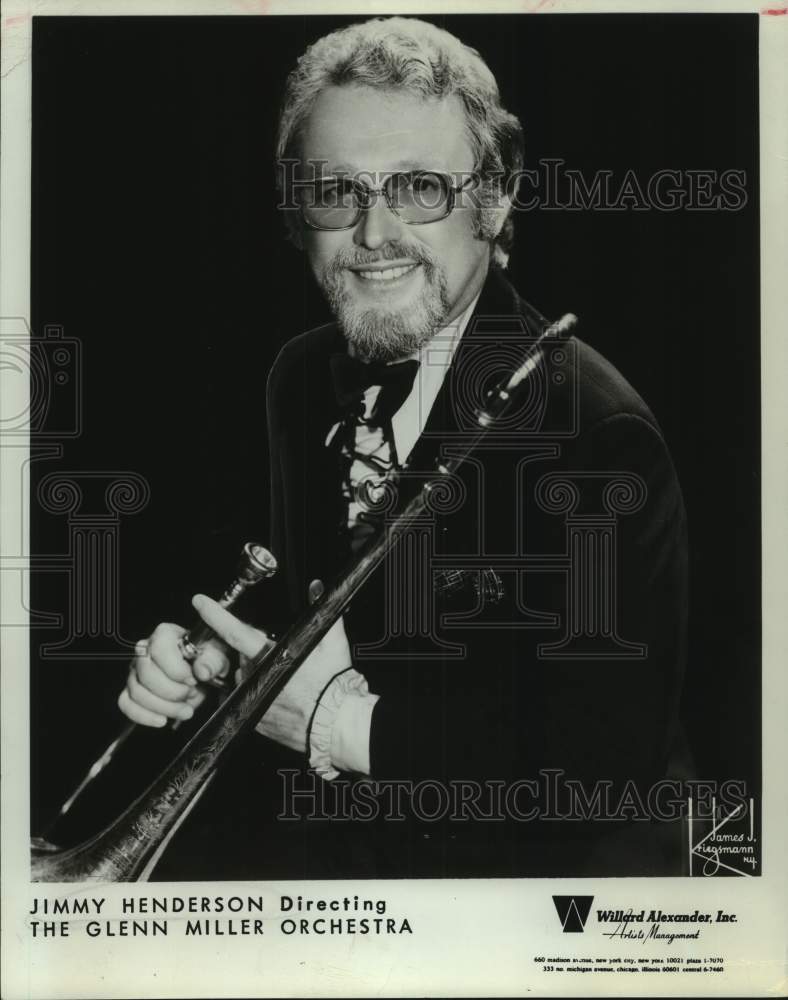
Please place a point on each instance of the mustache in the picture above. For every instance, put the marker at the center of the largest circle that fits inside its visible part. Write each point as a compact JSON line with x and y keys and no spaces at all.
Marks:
{"x":358,"y":256}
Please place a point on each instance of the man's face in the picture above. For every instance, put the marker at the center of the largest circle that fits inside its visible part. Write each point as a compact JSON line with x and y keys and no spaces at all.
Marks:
{"x":392,"y":285}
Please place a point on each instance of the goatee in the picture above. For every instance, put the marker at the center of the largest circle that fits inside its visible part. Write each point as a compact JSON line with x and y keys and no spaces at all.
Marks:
{"x":386,"y":334}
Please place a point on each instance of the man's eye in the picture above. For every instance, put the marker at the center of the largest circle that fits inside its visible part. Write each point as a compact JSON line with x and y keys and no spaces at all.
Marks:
{"x":424,"y":189}
{"x":425,"y":184}
{"x":329,"y":194}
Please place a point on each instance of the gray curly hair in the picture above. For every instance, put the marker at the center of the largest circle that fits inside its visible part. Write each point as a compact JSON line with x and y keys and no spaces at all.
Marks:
{"x":398,"y":53}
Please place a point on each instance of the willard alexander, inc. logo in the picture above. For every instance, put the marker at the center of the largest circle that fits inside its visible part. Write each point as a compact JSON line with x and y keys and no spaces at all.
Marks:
{"x":573,"y":912}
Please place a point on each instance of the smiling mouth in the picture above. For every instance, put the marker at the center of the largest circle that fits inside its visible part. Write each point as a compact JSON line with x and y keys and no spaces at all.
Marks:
{"x":384,"y":273}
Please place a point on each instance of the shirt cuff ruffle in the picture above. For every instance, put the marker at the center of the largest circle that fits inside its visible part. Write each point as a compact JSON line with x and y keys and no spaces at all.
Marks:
{"x":348,"y":683}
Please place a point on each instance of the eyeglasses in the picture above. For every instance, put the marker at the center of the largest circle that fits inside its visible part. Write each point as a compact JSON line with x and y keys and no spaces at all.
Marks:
{"x":417,"y":197}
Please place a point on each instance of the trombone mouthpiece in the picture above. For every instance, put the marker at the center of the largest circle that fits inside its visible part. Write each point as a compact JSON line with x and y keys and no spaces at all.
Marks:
{"x":257,"y":563}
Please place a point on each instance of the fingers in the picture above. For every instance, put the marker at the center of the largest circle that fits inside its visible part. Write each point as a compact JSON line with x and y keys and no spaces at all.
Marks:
{"x":141,"y":705}
{"x":164,"y":651}
{"x":237,"y":634}
{"x":160,"y":685}
{"x":142,"y":716}
{"x":144,"y":698}
{"x":212,"y":661}
{"x":149,"y":673}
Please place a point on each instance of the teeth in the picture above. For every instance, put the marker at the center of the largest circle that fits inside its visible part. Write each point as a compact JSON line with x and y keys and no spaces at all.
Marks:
{"x":388,"y":274}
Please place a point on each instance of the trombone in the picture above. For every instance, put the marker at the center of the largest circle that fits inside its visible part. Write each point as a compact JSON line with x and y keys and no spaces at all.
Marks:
{"x":129,"y":847}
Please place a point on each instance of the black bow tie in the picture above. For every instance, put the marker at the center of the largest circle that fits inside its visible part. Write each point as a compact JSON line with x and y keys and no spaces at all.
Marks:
{"x":352,"y":378}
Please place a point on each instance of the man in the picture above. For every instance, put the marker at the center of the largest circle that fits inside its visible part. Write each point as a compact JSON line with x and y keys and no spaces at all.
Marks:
{"x":561,"y":658}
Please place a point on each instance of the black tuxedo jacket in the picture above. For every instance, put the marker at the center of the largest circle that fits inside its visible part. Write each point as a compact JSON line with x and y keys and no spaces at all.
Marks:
{"x":525,"y":730}
{"x":476,"y":691}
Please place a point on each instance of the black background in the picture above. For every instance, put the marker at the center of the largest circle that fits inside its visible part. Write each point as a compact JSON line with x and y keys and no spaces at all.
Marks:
{"x":157,"y":243}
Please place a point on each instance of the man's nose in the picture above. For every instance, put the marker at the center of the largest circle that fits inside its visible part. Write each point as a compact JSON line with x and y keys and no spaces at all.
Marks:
{"x":378,"y":225}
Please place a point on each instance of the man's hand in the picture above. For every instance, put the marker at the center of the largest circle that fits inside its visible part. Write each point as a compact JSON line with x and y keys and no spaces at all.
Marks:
{"x":287,"y":720}
{"x":162,"y":685}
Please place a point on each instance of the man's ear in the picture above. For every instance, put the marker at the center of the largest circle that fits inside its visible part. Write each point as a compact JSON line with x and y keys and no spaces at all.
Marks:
{"x":493,"y":216}
{"x":504,"y":203}
{"x":498,"y":216}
